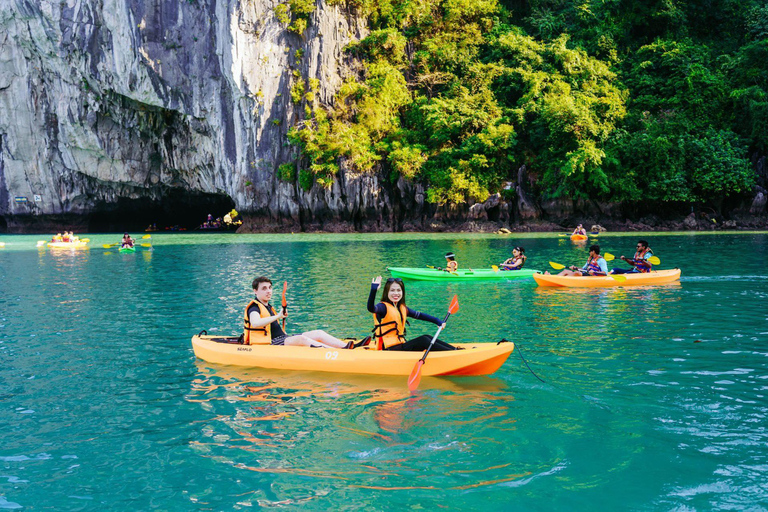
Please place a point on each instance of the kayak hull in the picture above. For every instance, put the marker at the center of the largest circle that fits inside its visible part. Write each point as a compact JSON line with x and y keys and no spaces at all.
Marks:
{"x":654,"y":277}
{"x":68,"y":245}
{"x":127,"y":249}
{"x":475,"y":359}
{"x":579,"y":238}
{"x":480,"y":274}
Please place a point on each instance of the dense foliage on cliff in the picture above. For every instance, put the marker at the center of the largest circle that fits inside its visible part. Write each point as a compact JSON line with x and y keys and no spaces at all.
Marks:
{"x":615,"y":100}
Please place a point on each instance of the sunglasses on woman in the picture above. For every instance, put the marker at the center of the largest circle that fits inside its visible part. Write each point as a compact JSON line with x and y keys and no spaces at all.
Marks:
{"x":394,"y":280}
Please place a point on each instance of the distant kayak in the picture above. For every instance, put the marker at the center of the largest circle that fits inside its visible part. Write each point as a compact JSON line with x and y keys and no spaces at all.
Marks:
{"x":475,"y":359}
{"x":127,"y":249}
{"x":638,"y":279}
{"x":80,"y":244}
{"x":433,"y":274}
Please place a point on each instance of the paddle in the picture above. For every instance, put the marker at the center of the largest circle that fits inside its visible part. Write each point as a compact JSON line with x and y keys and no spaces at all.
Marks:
{"x":284,"y":303}
{"x":415,"y":377}
{"x":494,"y":268}
{"x":620,"y":278}
{"x":653,"y":260}
{"x":443,"y":269}
{"x":41,"y":243}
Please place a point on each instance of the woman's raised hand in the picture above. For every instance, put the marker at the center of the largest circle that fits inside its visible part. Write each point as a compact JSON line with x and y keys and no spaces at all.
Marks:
{"x":376,"y":281}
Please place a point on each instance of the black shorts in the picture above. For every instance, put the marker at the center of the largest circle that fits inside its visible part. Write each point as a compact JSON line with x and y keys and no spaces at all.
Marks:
{"x":280,"y":340}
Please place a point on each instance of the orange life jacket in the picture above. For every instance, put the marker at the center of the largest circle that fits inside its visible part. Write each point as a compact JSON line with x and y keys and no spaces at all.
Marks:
{"x":256,"y":335}
{"x":390,"y":330}
{"x":642,"y":265}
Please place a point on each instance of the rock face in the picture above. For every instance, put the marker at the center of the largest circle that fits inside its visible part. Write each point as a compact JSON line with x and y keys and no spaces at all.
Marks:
{"x":153,"y":106}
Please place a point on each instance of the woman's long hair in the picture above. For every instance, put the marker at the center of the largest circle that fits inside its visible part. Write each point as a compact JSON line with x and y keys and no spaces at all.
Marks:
{"x":385,"y":291}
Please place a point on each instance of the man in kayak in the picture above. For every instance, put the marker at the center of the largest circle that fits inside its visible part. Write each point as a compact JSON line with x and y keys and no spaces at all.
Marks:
{"x":262,"y":324}
{"x":595,"y":265}
{"x":517,"y":260}
{"x":639,"y":262}
{"x":127,"y":241}
{"x":389,"y":319}
{"x":579,"y":230}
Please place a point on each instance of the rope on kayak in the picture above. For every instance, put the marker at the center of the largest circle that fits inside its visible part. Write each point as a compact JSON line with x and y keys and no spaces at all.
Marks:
{"x":520,"y":351}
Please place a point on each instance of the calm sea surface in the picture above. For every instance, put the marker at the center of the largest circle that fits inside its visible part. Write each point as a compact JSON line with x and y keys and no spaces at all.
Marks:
{"x":654,"y":398}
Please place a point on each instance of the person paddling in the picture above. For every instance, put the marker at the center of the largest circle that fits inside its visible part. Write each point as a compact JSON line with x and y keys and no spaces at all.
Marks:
{"x":640,"y":262}
{"x":127,"y":241}
{"x":262,"y":326}
{"x":517,"y":260}
{"x":451,"y":265}
{"x":390,"y":316}
{"x":579,"y":230}
{"x":595,"y":265}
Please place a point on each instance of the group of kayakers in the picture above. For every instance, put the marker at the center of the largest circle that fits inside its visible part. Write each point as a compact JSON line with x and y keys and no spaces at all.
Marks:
{"x":597,"y":266}
{"x":262,"y":322}
{"x":66,"y":237}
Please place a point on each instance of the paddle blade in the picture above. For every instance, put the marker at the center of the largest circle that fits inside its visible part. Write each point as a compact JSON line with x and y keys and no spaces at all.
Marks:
{"x":86,"y":240}
{"x":654,"y":260}
{"x":40,"y":243}
{"x":146,"y":245}
{"x":146,"y":236}
{"x":415,"y":377}
{"x":454,"y":307}
{"x":108,"y":246}
{"x":285,"y":287}
{"x":556,"y":266}
{"x":618,"y":278}
{"x":609,"y":257}
{"x":495,"y":268}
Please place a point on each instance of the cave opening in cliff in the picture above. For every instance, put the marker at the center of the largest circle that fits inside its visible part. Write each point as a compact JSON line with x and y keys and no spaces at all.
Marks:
{"x":178,"y":209}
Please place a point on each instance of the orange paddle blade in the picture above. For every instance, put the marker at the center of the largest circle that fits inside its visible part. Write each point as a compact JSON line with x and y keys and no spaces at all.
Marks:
{"x":454,"y":307}
{"x":415,"y":377}
{"x":285,"y":287}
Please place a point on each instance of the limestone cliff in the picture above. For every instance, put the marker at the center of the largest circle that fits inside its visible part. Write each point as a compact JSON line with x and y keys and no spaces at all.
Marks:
{"x":112,"y":107}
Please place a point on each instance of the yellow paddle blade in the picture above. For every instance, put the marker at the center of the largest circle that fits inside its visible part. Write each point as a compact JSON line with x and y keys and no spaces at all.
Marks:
{"x":40,"y":243}
{"x":146,"y":245}
{"x":108,"y":246}
{"x":495,"y":268}
{"x":86,"y":240}
{"x":653,"y":260}
{"x":609,"y":257}
{"x":146,"y":236}
{"x":620,"y":278}
{"x":556,"y":266}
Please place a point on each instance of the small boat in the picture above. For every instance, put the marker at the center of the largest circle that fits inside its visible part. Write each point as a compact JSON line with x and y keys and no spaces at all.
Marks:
{"x":578,"y":238}
{"x":475,"y":359}
{"x":127,"y":249}
{"x":633,"y":279}
{"x":78,"y":244}
{"x":484,"y":274}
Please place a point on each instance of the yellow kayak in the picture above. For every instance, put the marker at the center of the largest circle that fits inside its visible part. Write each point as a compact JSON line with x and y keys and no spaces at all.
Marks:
{"x":635,"y":279}
{"x":80,"y":244}
{"x":475,"y":359}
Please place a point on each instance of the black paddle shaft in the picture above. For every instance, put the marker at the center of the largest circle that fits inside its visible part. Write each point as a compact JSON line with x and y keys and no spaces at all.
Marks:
{"x":424,"y":357}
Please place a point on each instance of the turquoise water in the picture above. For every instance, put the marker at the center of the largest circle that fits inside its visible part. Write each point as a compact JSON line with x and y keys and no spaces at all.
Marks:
{"x":654,"y":398}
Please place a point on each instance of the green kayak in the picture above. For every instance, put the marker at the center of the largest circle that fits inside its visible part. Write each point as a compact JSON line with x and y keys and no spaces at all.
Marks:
{"x":127,"y":249}
{"x":483,"y":274}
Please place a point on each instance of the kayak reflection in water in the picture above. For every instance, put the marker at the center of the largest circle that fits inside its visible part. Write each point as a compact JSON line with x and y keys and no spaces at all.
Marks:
{"x":389,"y":317}
{"x":517,"y":260}
{"x":262,"y":324}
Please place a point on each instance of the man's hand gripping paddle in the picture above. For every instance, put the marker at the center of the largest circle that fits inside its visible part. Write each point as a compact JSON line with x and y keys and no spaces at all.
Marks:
{"x":415,"y":377}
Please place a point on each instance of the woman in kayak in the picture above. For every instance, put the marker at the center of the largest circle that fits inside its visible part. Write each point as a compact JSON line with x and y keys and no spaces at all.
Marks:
{"x":389,"y":319}
{"x":595,"y":265}
{"x":451,"y":265}
{"x":127,"y":241}
{"x":517,"y":260}
{"x":579,"y":230}
{"x":262,"y":324}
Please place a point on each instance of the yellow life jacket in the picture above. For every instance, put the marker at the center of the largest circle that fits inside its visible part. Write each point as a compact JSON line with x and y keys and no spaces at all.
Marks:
{"x":256,"y":335}
{"x":452,"y":266}
{"x":390,"y":330}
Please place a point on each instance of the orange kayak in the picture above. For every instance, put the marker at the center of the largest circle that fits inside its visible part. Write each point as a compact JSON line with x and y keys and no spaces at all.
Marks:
{"x":649,"y":278}
{"x":579,"y":238}
{"x":475,"y":359}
